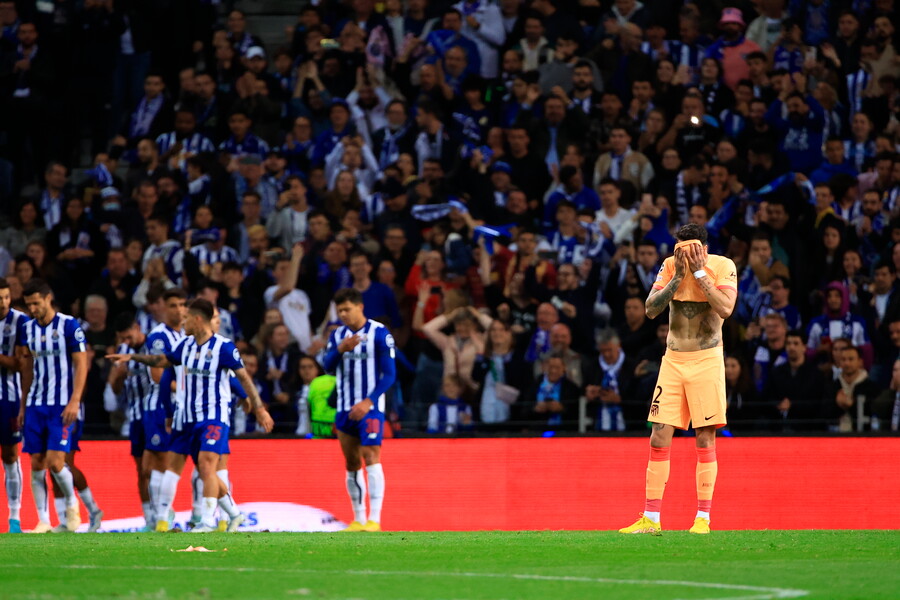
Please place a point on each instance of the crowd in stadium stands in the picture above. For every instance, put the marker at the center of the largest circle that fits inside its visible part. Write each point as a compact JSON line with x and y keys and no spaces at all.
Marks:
{"x":500,"y":180}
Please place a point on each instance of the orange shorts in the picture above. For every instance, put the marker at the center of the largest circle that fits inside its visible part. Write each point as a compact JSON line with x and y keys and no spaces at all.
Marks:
{"x":691,"y":387}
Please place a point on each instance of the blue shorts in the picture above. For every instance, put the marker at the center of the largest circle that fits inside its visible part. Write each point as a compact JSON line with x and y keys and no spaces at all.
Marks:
{"x":369,"y":430}
{"x":156,"y":438}
{"x":9,"y":424}
{"x":44,"y":430}
{"x":136,"y":435}
{"x":209,"y":436}
{"x":77,"y":432}
{"x":180,"y":441}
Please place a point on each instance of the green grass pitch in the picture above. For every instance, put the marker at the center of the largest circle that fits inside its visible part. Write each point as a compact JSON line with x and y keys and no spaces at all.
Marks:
{"x":484,"y":565}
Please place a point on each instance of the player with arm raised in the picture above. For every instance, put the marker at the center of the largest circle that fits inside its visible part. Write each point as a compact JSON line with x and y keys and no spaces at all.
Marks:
{"x":134,"y":380}
{"x":206,"y":359}
{"x":54,"y":368}
{"x":361,"y":354}
{"x":700,"y":290}
{"x":12,"y":329}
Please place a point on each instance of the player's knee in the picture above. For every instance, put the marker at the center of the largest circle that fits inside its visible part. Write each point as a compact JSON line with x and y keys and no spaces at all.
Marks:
{"x":371,"y":456}
{"x":660,"y":437}
{"x":56,"y":463}
{"x":706,"y":437}
{"x":9,"y":454}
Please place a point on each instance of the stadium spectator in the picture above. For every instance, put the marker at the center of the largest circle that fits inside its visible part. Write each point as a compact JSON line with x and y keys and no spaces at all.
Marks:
{"x":791,"y":396}
{"x":609,"y":383}
{"x":450,"y":414}
{"x":551,"y":403}
{"x":848,"y":400}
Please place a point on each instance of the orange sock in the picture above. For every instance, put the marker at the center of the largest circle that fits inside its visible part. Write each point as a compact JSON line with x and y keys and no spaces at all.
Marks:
{"x":657,"y":476}
{"x":707,"y":469}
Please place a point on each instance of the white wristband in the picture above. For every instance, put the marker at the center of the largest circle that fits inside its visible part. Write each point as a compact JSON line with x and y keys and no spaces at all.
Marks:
{"x":699,"y":274}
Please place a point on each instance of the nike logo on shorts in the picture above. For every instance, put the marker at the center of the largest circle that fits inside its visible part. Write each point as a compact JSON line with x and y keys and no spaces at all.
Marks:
{"x":709,"y":417}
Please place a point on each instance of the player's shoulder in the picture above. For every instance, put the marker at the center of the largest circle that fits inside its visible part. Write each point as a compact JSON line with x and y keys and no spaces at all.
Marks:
{"x":722,"y":264}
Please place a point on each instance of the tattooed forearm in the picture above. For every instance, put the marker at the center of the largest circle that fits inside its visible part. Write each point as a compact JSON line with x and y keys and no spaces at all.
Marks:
{"x":151,"y":360}
{"x":690,"y":309}
{"x":657,"y":301}
{"x":720,"y":301}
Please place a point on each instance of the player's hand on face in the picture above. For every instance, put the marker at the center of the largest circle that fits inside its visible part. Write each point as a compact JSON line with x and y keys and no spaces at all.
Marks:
{"x":696,"y":256}
{"x":359,"y":410}
{"x":680,"y":263}
{"x":264,"y":419}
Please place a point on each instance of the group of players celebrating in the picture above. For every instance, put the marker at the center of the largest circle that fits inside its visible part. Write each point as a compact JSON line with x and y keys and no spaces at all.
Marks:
{"x":181,"y":379}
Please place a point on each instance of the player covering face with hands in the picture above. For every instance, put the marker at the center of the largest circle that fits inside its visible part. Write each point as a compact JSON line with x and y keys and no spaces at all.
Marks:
{"x":207,"y":360}
{"x":700,"y":290}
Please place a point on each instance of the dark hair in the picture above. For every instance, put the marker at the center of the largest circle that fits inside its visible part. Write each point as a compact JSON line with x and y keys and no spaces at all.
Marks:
{"x":36,"y":286}
{"x":123,"y":322}
{"x":786,"y":282}
{"x":202,"y":307}
{"x":351,"y":295}
{"x":797,"y":334}
{"x":691,"y":231}
{"x":882,"y":264}
{"x":232,"y":266}
{"x":155,"y":292}
{"x":174,"y":293}
{"x":4,"y":285}
{"x":853,"y":348}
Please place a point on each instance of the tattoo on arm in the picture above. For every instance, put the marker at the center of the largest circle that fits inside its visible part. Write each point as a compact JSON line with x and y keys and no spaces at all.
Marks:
{"x":659,"y":300}
{"x":152,"y":360}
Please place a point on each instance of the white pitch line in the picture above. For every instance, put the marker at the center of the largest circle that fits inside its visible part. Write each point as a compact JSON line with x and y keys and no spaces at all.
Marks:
{"x":760,"y":593}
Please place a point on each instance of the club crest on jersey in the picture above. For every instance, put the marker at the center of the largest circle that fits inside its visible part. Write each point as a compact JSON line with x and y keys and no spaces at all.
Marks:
{"x":155,"y":440}
{"x":236,"y":354}
{"x":56,"y":336}
{"x":79,"y":335}
{"x":158,"y":344}
{"x":209,"y":355}
{"x":7,"y":330}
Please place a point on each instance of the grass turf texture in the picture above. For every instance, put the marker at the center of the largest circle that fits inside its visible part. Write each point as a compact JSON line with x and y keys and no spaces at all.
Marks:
{"x":483,"y":565}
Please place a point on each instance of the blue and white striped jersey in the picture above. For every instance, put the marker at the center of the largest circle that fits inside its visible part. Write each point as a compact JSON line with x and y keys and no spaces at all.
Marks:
{"x":12,"y":329}
{"x":250,"y":145}
{"x":145,"y":321}
{"x":160,"y":341}
{"x":193,"y":144}
{"x":205,"y":380}
{"x":52,"y":347}
{"x":206,"y":256}
{"x":137,"y":383}
{"x":173,"y":257}
{"x":367,"y":371}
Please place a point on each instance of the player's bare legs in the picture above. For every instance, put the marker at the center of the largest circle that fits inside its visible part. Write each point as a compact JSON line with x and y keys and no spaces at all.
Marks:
{"x":13,"y":468}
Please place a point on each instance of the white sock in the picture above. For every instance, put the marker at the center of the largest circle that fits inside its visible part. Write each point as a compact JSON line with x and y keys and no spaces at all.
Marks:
{"x":60,"y":505}
{"x":88,"y":498}
{"x":356,"y":487}
{"x":703,"y":514}
{"x":39,"y":491}
{"x":14,"y":487}
{"x":66,"y":483}
{"x":223,"y":475}
{"x":653,"y":516}
{"x":147,"y":507}
{"x":197,"y":493}
{"x":376,"y":491}
{"x":154,"y":490}
{"x":209,"y":511}
{"x":167,"y":489}
{"x":228,"y":506}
